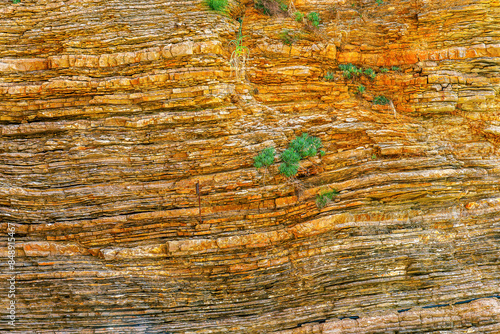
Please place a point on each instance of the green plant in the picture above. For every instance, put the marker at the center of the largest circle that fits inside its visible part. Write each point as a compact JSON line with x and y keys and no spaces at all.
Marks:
{"x":329,"y":76}
{"x":381,"y":100}
{"x":379,"y":2}
{"x":395,"y":68}
{"x":290,"y":165}
{"x":16,"y":1}
{"x":323,"y":199}
{"x":217,"y":5}
{"x":361,"y":89}
{"x":374,"y":157}
{"x":239,"y":55}
{"x":370,"y":73}
{"x":271,"y":7}
{"x":347,"y":74}
{"x":384,"y":70}
{"x":265,"y":158}
{"x":260,"y":6}
{"x":288,"y":37}
{"x":298,"y":16}
{"x":348,"y":70}
{"x":314,"y":18}
{"x":299,"y":148}
{"x":306,"y":146}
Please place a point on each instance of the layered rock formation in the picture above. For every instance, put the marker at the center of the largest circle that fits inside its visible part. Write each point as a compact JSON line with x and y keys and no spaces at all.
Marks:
{"x":112,"y":112}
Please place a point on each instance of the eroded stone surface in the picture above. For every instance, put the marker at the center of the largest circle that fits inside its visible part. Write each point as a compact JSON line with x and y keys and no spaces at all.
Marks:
{"x":111,"y":112}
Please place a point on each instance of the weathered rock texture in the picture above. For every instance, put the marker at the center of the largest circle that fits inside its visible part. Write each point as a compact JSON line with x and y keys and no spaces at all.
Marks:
{"x":111,"y":111}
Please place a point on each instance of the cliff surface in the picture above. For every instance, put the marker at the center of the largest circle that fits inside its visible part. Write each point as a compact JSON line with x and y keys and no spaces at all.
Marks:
{"x":112,"y":111}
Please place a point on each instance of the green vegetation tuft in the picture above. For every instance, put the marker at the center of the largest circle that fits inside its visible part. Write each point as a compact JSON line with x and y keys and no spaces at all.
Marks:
{"x":349,"y":70}
{"x":288,"y":37}
{"x":265,"y":158}
{"x":299,"y":17}
{"x":379,"y":2}
{"x":240,"y":54}
{"x":217,"y":5}
{"x":361,"y":89}
{"x":370,"y":73}
{"x":306,"y":146}
{"x":271,"y":7}
{"x":329,"y":76}
{"x":395,"y":68}
{"x":290,"y":165}
{"x":381,"y":100}
{"x":323,"y":199}
{"x":299,"y":148}
{"x":262,"y":6}
{"x":384,"y":70}
{"x":314,"y":18}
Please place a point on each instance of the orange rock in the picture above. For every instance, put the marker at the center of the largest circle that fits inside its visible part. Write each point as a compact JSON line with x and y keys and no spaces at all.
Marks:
{"x":285,"y":201}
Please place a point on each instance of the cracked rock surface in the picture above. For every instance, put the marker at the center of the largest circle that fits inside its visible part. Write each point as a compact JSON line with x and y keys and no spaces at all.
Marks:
{"x":111,"y":112}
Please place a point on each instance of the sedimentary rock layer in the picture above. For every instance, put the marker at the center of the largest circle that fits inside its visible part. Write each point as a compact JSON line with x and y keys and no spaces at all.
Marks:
{"x":112,"y":112}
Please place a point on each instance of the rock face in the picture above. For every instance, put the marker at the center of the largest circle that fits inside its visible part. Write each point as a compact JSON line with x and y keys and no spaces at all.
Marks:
{"x":113,"y":111}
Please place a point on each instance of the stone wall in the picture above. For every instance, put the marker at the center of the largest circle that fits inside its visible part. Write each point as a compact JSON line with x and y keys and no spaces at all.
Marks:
{"x":112,"y":111}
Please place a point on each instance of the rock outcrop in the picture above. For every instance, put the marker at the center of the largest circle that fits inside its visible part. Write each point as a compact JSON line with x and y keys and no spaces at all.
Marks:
{"x":112,"y":112}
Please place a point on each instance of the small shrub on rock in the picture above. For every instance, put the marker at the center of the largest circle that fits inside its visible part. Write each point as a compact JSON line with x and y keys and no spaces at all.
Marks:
{"x":218,"y":5}
{"x":265,"y":158}
{"x":271,"y":7}
{"x":298,"y":16}
{"x":288,"y":37}
{"x":306,"y":146}
{"x":290,"y":165}
{"x":350,"y":70}
{"x":323,"y":199}
{"x":299,"y":148}
{"x":382,"y":100}
{"x":314,"y":18}
{"x":370,"y":73}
